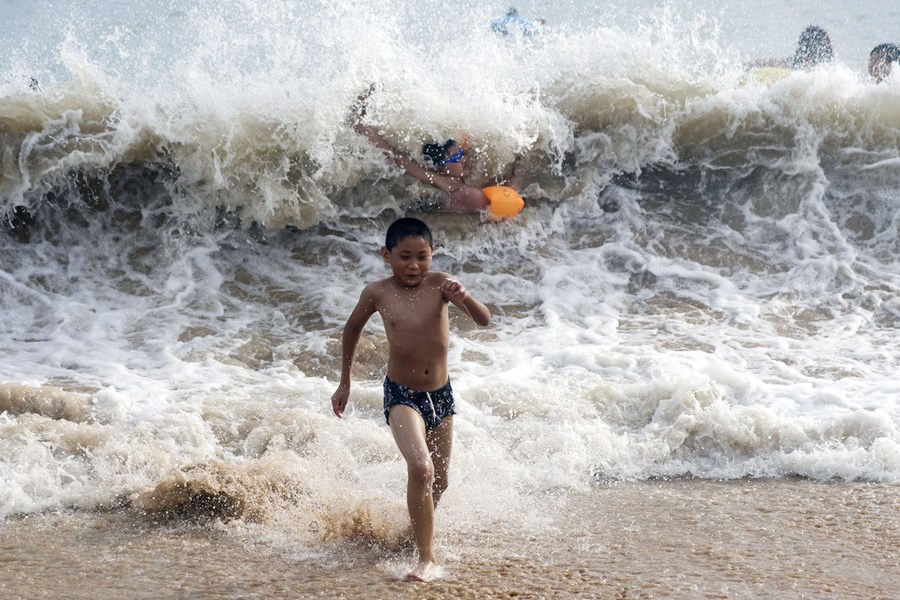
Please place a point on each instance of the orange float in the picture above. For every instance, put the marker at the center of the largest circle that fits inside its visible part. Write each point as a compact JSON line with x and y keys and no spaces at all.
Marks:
{"x":504,"y":201}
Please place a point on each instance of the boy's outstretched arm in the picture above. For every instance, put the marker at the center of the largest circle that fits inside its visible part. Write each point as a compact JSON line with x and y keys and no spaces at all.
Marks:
{"x":456,"y":293}
{"x":364,"y":309}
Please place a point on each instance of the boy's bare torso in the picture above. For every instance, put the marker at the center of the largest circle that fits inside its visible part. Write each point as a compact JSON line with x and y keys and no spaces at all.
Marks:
{"x":417,"y":325}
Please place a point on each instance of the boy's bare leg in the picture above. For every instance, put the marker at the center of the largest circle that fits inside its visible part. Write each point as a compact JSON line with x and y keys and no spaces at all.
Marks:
{"x":409,"y":434}
{"x":440,"y":444}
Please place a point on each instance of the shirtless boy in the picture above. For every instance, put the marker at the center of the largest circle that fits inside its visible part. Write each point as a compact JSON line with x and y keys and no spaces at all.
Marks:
{"x":418,"y":400}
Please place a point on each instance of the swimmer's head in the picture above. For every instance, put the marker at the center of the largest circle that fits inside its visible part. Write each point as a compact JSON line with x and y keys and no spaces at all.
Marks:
{"x":813,"y":48}
{"x":436,"y":153}
{"x":880,"y":60}
{"x":407,"y":227}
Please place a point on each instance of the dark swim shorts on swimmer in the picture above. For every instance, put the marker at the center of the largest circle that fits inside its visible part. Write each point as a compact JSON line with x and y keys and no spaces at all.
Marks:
{"x":433,"y":406}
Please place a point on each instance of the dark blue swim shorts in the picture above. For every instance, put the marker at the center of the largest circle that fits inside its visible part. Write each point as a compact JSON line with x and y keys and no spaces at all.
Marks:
{"x":433,"y":406}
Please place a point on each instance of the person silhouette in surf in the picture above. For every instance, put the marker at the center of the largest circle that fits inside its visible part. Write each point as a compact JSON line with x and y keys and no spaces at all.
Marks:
{"x":418,"y":400}
{"x":813,"y":49}
{"x":450,"y":166}
{"x":881,"y":60}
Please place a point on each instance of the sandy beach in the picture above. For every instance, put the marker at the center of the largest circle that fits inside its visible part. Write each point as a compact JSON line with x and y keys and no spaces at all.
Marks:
{"x":660,"y":539}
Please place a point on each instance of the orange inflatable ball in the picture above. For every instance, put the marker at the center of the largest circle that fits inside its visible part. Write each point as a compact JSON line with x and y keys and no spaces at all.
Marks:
{"x":504,"y":201}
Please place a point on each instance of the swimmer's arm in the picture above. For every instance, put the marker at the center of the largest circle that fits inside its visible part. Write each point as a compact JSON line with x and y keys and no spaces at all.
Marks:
{"x":455,"y":292}
{"x":403,"y":160}
{"x":779,"y":63}
{"x":399,"y":158}
{"x":364,"y":309}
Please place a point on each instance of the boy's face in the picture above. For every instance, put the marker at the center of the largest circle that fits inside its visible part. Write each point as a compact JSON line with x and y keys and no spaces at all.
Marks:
{"x":410,"y":260}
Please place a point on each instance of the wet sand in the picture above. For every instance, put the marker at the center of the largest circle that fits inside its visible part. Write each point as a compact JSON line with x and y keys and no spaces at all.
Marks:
{"x":672,"y":539}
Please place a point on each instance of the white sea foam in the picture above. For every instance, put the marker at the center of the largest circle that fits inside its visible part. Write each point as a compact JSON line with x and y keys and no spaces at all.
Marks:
{"x":704,"y":281}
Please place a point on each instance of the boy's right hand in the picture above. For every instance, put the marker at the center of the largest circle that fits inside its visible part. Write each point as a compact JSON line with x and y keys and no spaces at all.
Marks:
{"x":339,"y":399}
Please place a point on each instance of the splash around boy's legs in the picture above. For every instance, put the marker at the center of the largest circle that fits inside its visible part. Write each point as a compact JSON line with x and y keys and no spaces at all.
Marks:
{"x":409,"y":433}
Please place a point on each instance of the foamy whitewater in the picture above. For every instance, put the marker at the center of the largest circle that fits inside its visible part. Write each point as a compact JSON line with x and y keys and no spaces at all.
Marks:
{"x":704,"y":282}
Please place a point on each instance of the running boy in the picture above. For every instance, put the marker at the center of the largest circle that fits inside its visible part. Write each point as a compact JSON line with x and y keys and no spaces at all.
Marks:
{"x":418,"y":400}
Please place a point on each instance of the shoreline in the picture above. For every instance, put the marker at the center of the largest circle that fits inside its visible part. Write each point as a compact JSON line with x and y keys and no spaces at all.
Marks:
{"x":666,"y":539}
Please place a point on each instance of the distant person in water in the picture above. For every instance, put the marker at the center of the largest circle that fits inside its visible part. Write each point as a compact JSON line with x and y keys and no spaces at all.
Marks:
{"x":813,"y":49}
{"x":511,"y":23}
{"x":881,"y":60}
{"x":449,"y":165}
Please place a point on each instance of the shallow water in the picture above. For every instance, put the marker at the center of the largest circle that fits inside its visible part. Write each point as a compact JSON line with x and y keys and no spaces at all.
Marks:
{"x":672,"y":539}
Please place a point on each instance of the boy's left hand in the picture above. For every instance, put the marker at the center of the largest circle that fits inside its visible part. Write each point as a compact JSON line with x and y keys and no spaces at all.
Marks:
{"x":454,"y":290}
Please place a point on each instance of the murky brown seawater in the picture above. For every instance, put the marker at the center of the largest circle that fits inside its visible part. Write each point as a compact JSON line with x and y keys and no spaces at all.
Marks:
{"x":676,"y":539}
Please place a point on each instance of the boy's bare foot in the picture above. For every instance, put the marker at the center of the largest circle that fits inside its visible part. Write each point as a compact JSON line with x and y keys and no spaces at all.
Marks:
{"x":424,"y":572}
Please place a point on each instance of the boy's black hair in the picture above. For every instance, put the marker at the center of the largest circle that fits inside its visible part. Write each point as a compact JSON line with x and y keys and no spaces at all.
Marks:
{"x":435,"y":152}
{"x":407,"y":227}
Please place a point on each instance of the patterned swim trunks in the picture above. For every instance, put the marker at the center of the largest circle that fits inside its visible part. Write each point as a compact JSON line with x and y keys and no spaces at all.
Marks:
{"x":433,"y":406}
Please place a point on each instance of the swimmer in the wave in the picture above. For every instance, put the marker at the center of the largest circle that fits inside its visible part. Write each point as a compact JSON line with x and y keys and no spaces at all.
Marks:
{"x":881,"y":60}
{"x":813,"y":49}
{"x":450,"y":166}
{"x":418,"y":400}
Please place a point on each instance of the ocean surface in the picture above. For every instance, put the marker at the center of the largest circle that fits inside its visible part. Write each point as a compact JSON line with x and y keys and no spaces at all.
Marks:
{"x":704,"y":285}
